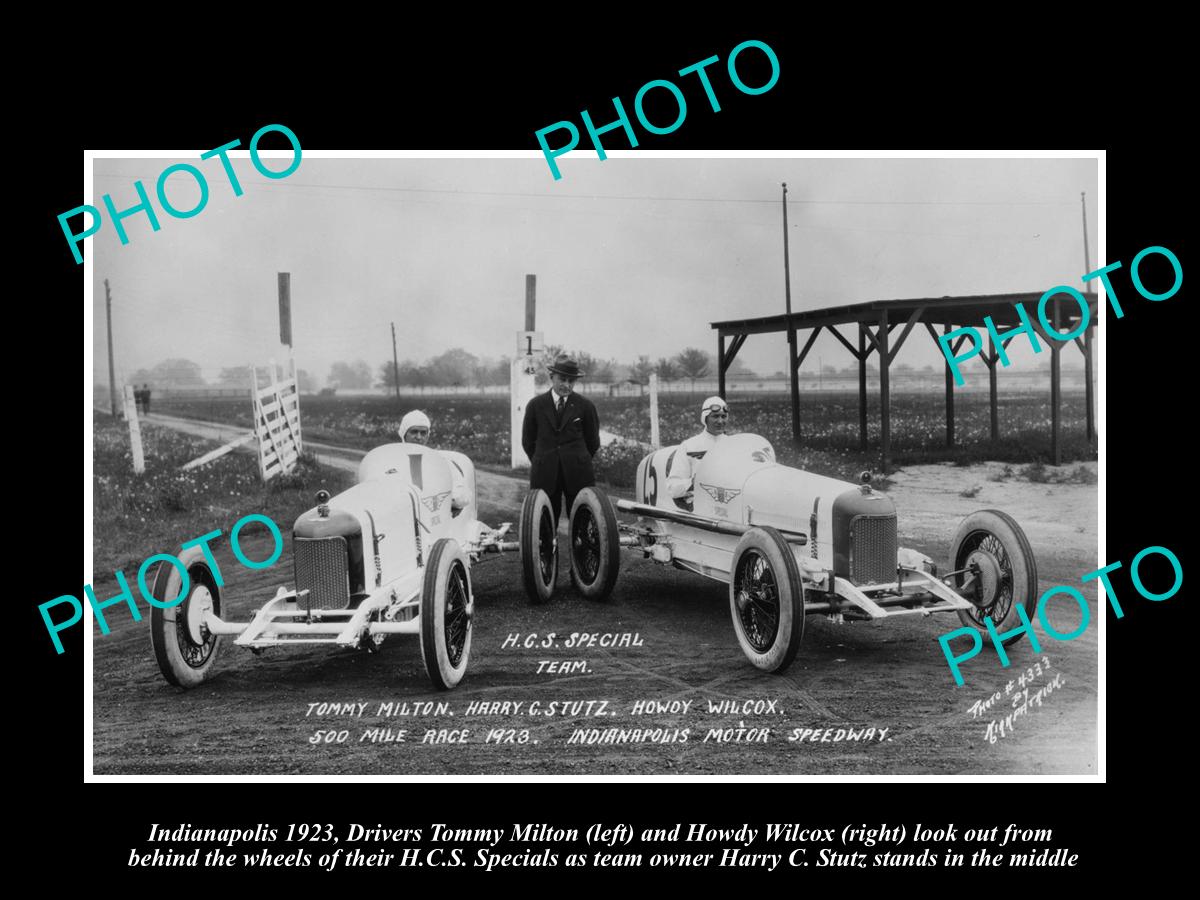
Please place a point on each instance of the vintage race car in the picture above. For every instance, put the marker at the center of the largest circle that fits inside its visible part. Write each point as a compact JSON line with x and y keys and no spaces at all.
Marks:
{"x":788,"y":543}
{"x":390,"y":555}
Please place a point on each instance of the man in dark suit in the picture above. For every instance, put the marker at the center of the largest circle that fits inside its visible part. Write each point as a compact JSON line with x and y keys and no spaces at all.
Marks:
{"x":561,"y":434}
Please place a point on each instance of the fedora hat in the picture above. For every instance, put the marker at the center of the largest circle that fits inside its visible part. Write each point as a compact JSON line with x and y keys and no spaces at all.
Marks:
{"x":566,"y":365}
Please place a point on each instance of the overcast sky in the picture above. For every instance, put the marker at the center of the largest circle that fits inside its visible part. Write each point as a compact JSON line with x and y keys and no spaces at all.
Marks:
{"x":633,"y":255}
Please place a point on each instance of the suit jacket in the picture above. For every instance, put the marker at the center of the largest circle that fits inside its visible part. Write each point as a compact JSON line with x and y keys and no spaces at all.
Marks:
{"x":571,"y":440}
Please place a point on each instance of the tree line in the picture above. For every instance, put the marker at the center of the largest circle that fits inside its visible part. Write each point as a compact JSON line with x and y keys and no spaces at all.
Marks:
{"x":459,"y":368}
{"x":183,"y":374}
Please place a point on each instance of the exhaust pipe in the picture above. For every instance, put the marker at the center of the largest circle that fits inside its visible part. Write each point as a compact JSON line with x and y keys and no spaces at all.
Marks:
{"x":703,"y":522}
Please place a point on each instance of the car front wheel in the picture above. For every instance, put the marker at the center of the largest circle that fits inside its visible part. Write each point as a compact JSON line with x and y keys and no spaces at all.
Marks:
{"x":1002,"y":571}
{"x":766,"y":599}
{"x":447,"y":611}
{"x":184,"y":648}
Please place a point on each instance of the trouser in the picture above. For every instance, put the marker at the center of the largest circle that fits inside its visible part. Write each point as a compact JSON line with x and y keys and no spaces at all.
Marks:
{"x":561,"y":492}
{"x":562,"y":497}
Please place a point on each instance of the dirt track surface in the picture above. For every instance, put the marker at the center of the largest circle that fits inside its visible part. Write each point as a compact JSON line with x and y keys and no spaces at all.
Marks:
{"x":256,"y":715}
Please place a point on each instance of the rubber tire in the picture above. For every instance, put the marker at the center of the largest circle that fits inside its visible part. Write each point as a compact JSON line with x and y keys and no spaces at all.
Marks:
{"x":164,"y":633}
{"x":1020,"y":554}
{"x":598,"y":504}
{"x":537,"y":589}
{"x":777,"y":553}
{"x":446,"y":561}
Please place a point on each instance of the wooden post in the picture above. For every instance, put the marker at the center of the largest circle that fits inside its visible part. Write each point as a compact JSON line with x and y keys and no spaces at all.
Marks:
{"x":285,"y":308}
{"x":946,"y":329}
{"x":395,"y":363}
{"x":258,"y":423}
{"x":993,"y":388}
{"x":112,"y":378}
{"x":862,"y":387}
{"x":1088,"y":372}
{"x":654,"y":436}
{"x":720,"y":364}
{"x":791,"y":328}
{"x":135,"y":431}
{"x":296,"y":383}
{"x":522,"y":385}
{"x":530,"y":302}
{"x":1055,"y":392}
{"x":885,"y":412}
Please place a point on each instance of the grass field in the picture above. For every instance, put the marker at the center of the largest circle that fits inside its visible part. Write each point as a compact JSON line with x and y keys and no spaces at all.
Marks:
{"x":478,"y":427}
{"x":135,"y":516}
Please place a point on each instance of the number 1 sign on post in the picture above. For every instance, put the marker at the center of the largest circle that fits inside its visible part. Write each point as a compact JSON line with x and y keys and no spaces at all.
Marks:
{"x":523,"y":387}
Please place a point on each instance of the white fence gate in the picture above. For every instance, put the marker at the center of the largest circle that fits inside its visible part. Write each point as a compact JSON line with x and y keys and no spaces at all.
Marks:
{"x":277,"y":423}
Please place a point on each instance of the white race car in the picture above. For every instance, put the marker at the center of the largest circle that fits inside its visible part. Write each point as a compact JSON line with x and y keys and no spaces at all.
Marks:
{"x":788,"y":543}
{"x":390,"y":555}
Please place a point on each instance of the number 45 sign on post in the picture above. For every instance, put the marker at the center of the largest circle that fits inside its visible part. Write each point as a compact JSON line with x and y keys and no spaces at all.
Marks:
{"x":530,"y":345}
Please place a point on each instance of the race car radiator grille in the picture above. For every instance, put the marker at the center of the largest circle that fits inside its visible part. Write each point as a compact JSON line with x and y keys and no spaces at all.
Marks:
{"x":322,"y":569}
{"x":873,"y":549}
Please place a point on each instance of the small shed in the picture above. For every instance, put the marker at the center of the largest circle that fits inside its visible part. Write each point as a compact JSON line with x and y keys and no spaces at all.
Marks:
{"x":874,"y":323}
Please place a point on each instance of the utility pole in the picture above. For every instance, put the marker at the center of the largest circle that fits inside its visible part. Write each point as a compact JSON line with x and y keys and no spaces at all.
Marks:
{"x":523,"y":373}
{"x":395,"y":363}
{"x":1087,"y":262}
{"x":1089,"y":332}
{"x":112,"y":378}
{"x":787,"y":288}
{"x":530,"y":302}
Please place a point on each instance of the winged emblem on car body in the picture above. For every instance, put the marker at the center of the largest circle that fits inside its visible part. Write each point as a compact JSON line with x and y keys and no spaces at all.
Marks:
{"x":720,"y":494}
{"x":434,"y":501}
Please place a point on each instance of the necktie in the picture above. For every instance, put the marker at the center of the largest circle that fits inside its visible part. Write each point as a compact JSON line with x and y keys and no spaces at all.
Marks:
{"x":559,"y":401}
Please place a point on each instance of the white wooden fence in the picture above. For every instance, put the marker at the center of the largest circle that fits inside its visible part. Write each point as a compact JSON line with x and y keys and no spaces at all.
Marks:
{"x":277,"y":423}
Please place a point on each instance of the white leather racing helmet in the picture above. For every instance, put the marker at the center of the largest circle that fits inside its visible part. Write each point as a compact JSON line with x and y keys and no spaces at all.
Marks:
{"x":413,"y":419}
{"x":712,"y":404}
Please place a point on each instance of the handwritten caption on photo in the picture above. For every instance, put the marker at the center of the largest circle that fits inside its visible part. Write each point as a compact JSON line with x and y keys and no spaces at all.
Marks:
{"x":723,"y":721}
{"x":1020,"y":701}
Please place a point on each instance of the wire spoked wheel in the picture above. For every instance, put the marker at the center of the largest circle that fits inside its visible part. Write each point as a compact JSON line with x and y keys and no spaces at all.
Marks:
{"x":184,"y":648}
{"x":447,"y":610}
{"x":457,"y":617}
{"x":196,"y":642}
{"x":585,"y":545}
{"x":992,"y":588}
{"x":766,"y":599}
{"x":756,"y":594}
{"x":595,"y":544}
{"x":1001,"y":571}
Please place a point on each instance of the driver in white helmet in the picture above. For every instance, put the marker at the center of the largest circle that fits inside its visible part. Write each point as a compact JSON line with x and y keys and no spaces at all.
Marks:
{"x":414,"y":429}
{"x":714,"y":416}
